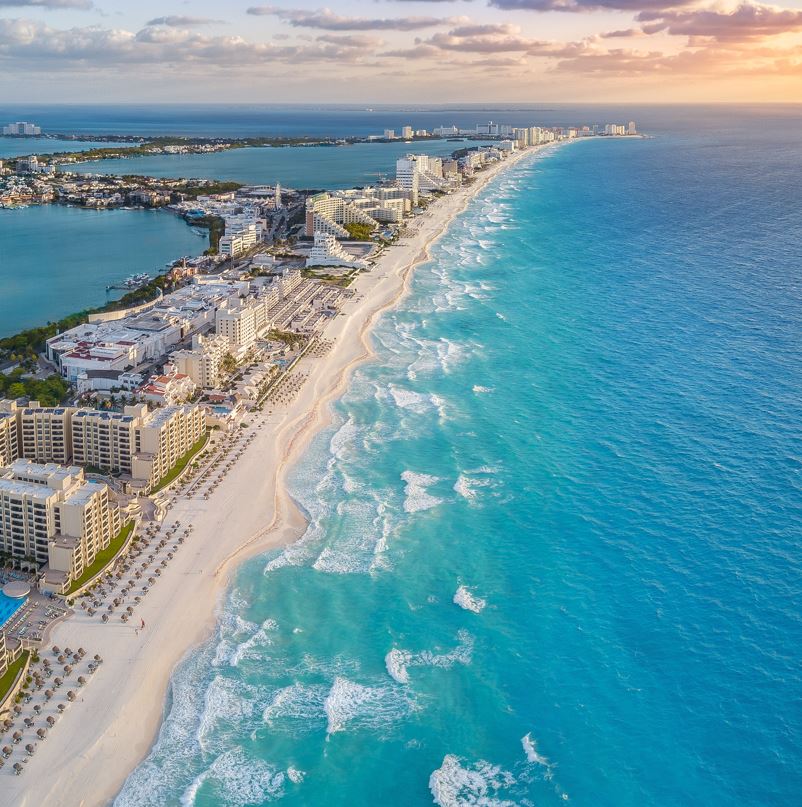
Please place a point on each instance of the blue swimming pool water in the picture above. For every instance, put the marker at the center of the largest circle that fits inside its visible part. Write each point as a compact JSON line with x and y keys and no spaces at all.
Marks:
{"x":8,"y":607}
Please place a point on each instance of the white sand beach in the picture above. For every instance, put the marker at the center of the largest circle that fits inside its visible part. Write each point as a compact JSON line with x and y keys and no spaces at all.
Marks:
{"x":107,"y":732}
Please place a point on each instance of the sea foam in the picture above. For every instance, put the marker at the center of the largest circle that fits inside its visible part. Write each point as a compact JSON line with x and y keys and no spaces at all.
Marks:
{"x":417,"y":497}
{"x":399,"y":661}
{"x":470,"y":602}
{"x":456,"y":784}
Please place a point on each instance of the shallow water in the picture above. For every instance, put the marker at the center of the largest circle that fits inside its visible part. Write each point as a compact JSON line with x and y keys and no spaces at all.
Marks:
{"x":57,"y":260}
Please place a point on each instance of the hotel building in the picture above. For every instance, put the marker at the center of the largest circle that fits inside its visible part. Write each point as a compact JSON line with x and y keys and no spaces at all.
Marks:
{"x":202,"y":363}
{"x":46,"y":433}
{"x":51,"y":514}
{"x":328,"y":252}
{"x":141,"y":445}
{"x":162,"y":439}
{"x":326,"y":213}
{"x":105,"y":439}
{"x":9,"y":438}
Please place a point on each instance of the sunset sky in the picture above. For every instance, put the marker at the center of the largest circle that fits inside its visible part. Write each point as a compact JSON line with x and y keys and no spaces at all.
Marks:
{"x":399,"y":51}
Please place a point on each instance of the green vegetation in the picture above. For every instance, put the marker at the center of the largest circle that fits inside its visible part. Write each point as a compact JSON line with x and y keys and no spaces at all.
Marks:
{"x":7,"y":681}
{"x":182,"y":463}
{"x":49,"y":391}
{"x":103,"y":558}
{"x":359,"y":232}
{"x":228,"y":363}
{"x":193,"y":190}
{"x":334,"y":280}
{"x":217,"y":228}
{"x":288,"y":337}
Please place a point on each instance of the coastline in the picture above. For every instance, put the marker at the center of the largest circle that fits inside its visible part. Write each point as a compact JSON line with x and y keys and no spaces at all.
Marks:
{"x":102,"y":739}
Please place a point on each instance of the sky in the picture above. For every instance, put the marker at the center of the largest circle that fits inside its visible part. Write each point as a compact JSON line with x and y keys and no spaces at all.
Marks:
{"x":399,"y":51}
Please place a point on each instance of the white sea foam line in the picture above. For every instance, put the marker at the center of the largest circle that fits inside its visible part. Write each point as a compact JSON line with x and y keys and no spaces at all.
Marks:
{"x":468,"y":601}
{"x":241,"y":780}
{"x":416,"y":496}
{"x":457,"y":784}
{"x":399,"y":661}
{"x":248,"y":648}
{"x":350,"y":704}
{"x":224,"y":699}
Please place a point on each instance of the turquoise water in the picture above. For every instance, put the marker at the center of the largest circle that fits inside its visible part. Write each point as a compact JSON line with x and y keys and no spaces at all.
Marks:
{"x":22,"y":146}
{"x":324,"y":167}
{"x":9,"y":606}
{"x":583,"y":425}
{"x":56,"y":260}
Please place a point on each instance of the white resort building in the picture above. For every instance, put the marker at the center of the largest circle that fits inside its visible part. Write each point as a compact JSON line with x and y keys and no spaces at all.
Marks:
{"x":327,"y":251}
{"x":327,"y":213}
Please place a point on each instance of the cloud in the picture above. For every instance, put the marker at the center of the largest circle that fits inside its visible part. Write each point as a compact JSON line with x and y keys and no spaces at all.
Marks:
{"x":81,"y":4}
{"x":351,"y":40}
{"x":36,"y":46}
{"x":746,"y":22}
{"x":587,"y":5}
{"x":624,"y":33}
{"x":325,"y":19}
{"x":178,"y":21}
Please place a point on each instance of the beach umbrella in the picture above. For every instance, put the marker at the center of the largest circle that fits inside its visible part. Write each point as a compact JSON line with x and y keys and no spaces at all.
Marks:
{"x":81,"y":652}
{"x":98,"y":658}
{"x":76,"y":657}
{"x":51,"y":721}
{"x":124,"y":617}
{"x":46,"y":662}
{"x":37,"y":709}
{"x":81,"y":680}
{"x":58,"y":681}
{"x":61,"y":707}
{"x":70,"y":696}
{"x":61,"y":659}
{"x":67,"y":651}
{"x":7,"y":750}
{"x":28,"y":721}
{"x":48,"y":694}
{"x":30,"y":748}
{"x":56,"y":650}
{"x":105,"y":617}
{"x":130,"y":610}
{"x":18,"y":768}
{"x":17,"y":736}
{"x":17,"y":709}
{"x":67,"y":669}
{"x":41,"y":733}
{"x":7,"y":724}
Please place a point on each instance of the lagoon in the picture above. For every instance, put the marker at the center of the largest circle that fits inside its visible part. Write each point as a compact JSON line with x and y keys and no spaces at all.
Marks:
{"x":57,"y":260}
{"x":11,"y":147}
{"x":323,"y":167}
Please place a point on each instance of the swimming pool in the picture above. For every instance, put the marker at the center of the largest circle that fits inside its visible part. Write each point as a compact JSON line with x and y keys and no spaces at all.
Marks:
{"x":9,"y":606}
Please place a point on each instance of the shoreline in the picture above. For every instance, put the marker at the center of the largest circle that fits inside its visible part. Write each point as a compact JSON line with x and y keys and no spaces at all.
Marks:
{"x":104,"y":738}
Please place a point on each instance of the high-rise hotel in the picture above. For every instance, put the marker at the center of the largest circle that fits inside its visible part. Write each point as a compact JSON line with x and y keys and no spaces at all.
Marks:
{"x":139,"y":444}
{"x":50,"y":514}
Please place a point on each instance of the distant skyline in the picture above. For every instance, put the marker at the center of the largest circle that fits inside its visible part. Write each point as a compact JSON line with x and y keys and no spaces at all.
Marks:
{"x":399,"y":51}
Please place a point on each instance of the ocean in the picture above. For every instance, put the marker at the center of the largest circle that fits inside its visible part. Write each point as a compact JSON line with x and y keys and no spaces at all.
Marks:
{"x":553,"y":543}
{"x":57,"y":260}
